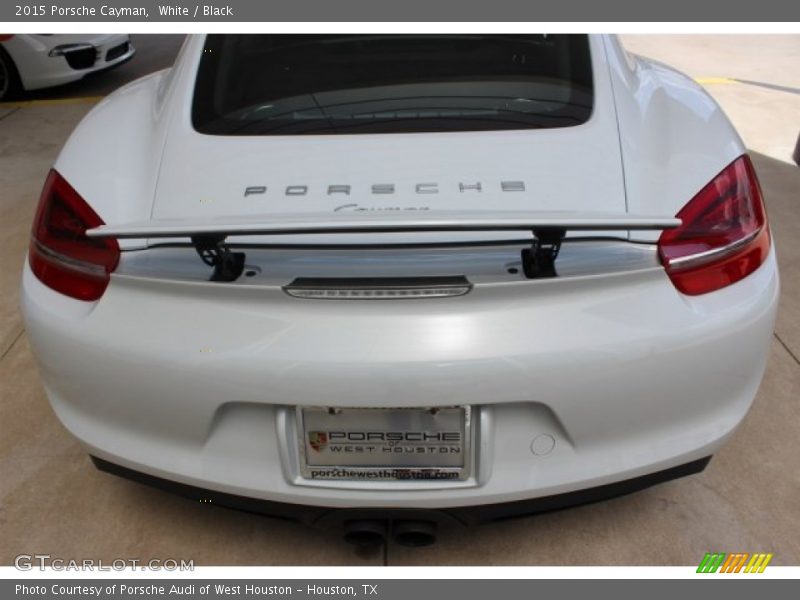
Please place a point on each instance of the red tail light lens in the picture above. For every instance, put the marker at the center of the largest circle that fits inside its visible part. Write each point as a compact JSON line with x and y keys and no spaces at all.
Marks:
{"x":724,"y":235}
{"x":61,"y":255}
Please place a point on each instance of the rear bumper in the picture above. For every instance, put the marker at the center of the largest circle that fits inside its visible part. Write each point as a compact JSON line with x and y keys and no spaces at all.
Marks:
{"x":469,"y":515}
{"x":197,"y":383}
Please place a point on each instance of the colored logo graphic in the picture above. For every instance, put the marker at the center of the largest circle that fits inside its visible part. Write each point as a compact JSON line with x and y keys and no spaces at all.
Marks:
{"x":318,"y":439}
{"x":714,"y":562}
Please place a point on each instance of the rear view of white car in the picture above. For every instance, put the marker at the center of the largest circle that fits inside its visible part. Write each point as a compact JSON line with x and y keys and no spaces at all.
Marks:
{"x":394,"y":282}
{"x":32,"y":62}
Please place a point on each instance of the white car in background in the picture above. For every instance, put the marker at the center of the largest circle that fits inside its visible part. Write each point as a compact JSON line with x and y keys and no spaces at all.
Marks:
{"x":32,"y":62}
{"x":392,"y":282}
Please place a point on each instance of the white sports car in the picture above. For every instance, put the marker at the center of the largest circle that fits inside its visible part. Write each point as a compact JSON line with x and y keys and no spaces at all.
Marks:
{"x":390,"y":282}
{"x":32,"y":62}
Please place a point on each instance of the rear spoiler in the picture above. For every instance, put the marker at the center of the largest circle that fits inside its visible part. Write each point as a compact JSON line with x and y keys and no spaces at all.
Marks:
{"x":383,"y":223}
{"x":548,"y":229}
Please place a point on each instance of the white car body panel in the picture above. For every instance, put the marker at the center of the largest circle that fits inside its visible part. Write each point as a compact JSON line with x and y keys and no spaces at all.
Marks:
{"x":196,"y":382}
{"x":37,"y":69}
{"x":674,"y":136}
{"x":125,"y":174}
{"x":549,"y":159}
{"x":627,"y":414}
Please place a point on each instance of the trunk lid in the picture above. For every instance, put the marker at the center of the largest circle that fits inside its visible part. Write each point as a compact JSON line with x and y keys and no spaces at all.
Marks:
{"x":570,"y":170}
{"x":574,"y":170}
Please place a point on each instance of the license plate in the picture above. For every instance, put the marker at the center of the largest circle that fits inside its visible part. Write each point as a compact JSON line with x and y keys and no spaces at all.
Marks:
{"x":385,"y":443}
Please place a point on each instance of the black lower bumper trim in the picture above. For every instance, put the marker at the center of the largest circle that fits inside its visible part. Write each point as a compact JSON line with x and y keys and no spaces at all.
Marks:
{"x":464,"y":515}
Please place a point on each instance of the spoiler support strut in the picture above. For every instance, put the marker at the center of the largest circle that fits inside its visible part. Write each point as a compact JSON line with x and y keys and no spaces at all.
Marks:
{"x":539,"y":260}
{"x":228,"y":266}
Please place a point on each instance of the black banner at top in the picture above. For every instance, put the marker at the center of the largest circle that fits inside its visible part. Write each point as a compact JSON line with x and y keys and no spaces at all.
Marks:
{"x":231,"y":11}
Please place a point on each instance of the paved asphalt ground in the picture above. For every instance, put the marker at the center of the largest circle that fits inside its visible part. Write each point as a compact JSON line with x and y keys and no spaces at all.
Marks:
{"x":53,"y":501}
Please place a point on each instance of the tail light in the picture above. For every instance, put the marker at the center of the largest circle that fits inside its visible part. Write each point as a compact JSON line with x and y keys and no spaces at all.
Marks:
{"x":61,"y":255}
{"x":724,"y":234}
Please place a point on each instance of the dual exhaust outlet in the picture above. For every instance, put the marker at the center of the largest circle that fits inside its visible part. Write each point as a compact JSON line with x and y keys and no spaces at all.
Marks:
{"x":375,"y":532}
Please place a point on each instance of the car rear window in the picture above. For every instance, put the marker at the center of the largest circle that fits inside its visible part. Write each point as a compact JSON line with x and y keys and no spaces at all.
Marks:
{"x":356,"y":84}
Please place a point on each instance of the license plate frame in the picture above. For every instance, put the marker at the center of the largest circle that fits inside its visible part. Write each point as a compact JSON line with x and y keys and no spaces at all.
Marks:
{"x":442,"y":458}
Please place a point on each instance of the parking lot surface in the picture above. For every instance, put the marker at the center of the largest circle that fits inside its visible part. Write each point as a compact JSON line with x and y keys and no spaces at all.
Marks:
{"x":748,"y":500}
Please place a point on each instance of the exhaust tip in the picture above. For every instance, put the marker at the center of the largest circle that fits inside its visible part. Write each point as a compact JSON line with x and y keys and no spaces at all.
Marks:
{"x":365,"y":533}
{"x":415,"y":534}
